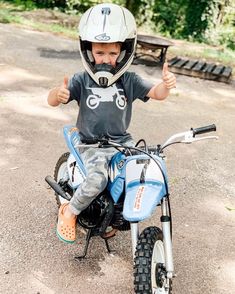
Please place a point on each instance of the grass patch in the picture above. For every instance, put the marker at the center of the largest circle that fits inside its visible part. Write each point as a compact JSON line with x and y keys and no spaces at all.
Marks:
{"x":53,"y":28}
{"x":10,"y":13}
{"x":203,"y":52}
{"x":225,"y":56}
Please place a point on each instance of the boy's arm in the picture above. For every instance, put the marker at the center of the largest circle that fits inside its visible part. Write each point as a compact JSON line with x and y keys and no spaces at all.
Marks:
{"x":162,"y":90}
{"x":59,"y":94}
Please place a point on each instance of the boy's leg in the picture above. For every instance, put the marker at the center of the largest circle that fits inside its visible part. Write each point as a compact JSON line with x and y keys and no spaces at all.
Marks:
{"x":96,"y":163}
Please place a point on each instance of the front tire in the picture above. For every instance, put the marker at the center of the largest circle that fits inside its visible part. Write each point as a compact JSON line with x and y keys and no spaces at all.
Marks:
{"x":149,"y":263}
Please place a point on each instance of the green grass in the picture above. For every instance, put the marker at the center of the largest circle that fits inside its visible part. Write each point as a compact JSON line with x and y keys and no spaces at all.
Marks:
{"x":53,"y":28}
{"x":225,"y":56}
{"x":205,"y":52}
{"x":11,"y":14}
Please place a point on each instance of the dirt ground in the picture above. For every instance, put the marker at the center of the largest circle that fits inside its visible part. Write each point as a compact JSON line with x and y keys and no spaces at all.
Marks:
{"x":202,"y":177}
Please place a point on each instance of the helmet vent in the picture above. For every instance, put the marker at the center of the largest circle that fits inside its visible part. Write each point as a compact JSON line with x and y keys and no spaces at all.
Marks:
{"x":106,"y":10}
{"x":103,"y":81}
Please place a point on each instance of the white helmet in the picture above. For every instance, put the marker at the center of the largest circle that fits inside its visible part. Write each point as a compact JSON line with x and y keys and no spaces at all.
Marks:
{"x":107,"y":23}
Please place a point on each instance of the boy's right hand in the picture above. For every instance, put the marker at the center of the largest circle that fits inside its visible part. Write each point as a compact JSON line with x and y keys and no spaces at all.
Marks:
{"x":63,"y":93}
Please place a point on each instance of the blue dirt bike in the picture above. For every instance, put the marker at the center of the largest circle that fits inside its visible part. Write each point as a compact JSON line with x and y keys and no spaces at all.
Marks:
{"x":137,"y":185}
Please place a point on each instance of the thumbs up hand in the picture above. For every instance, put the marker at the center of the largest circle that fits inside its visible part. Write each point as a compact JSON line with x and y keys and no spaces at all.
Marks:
{"x":63,"y":93}
{"x":168,"y":77}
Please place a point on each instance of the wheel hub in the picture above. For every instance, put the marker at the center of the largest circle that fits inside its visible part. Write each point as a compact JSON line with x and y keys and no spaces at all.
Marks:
{"x":160,"y":275}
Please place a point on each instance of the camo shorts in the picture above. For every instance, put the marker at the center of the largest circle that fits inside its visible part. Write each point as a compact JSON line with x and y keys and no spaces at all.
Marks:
{"x":96,"y":161}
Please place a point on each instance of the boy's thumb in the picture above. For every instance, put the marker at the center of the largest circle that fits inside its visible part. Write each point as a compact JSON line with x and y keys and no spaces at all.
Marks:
{"x":66,"y":82}
{"x":165,"y":68}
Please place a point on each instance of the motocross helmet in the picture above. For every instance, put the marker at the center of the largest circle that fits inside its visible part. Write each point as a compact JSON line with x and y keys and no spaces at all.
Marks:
{"x":107,"y":23}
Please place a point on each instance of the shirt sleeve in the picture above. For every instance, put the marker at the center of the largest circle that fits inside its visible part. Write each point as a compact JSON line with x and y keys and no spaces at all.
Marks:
{"x":75,"y":88}
{"x":136,"y":87}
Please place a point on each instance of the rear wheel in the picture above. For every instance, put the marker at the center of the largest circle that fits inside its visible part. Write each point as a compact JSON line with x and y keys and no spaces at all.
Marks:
{"x":61,"y":176}
{"x":149,"y":264}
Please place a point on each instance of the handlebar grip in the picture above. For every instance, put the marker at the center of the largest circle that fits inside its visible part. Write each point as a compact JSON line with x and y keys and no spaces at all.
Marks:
{"x":202,"y":130}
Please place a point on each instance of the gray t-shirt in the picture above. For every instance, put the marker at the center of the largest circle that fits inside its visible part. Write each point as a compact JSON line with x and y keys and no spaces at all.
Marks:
{"x":106,"y":111}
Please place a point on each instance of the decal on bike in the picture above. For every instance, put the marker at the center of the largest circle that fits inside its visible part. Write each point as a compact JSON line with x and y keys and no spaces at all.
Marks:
{"x":72,"y":165}
{"x":110,"y":94}
{"x":138,"y":198}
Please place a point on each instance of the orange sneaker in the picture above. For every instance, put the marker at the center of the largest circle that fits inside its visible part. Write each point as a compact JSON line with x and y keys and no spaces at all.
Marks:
{"x":66,"y":227}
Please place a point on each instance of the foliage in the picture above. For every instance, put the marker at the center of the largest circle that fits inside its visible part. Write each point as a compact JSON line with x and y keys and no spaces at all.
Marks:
{"x":141,"y":9}
{"x":211,"y":21}
{"x":198,"y":18}
{"x":168,"y":16}
{"x":78,"y":6}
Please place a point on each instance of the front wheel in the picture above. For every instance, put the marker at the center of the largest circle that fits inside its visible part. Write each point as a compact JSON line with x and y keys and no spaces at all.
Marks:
{"x":149,"y":264}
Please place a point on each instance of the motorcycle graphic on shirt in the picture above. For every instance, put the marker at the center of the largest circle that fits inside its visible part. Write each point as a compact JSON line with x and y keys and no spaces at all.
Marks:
{"x":109,"y":94}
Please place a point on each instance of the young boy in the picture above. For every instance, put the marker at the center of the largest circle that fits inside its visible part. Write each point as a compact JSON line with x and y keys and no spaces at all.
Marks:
{"x":104,"y":92}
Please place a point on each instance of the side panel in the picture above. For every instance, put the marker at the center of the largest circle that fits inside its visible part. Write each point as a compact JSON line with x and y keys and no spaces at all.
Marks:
{"x":76,"y":173}
{"x":117,"y":176}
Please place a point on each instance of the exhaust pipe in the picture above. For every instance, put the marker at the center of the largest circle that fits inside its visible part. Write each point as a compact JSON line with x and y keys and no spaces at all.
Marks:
{"x":56,"y":187}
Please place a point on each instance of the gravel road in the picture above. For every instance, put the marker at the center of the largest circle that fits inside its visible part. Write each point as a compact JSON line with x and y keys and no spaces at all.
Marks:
{"x":202,"y":178}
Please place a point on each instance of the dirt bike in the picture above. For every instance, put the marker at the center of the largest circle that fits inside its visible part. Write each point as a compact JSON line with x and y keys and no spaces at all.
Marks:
{"x":137,"y":185}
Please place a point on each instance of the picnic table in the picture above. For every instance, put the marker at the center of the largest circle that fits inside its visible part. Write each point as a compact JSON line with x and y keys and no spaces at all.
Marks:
{"x":153,"y":47}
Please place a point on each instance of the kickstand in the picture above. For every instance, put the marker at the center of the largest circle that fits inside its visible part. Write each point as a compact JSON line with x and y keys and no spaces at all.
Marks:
{"x":90,"y":234}
{"x":88,"y":237}
{"x":107,"y":246}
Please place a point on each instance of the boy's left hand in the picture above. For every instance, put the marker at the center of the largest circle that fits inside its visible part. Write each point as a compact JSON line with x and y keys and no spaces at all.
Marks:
{"x":168,"y":77}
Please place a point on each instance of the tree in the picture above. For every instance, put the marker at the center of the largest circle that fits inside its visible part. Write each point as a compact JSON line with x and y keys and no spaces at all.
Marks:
{"x":199,"y":16}
{"x":168,"y":16}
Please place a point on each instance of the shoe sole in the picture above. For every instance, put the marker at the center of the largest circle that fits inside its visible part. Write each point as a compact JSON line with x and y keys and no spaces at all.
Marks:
{"x":63,"y":240}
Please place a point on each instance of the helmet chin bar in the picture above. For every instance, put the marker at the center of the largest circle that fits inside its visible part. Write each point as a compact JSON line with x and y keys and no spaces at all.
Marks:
{"x":103,"y":74}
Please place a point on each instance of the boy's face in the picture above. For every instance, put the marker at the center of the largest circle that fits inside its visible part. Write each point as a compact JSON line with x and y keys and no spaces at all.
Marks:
{"x":106,"y":53}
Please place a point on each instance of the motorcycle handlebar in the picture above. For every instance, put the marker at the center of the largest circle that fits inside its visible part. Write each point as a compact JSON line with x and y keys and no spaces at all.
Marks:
{"x":202,"y":130}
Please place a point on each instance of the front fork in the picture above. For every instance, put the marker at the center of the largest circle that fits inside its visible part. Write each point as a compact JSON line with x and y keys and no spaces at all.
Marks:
{"x":167,"y":238}
{"x":134,"y":236}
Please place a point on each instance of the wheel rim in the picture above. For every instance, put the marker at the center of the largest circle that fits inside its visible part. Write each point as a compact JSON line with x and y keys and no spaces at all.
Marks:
{"x":62,"y":174}
{"x":158,"y":258}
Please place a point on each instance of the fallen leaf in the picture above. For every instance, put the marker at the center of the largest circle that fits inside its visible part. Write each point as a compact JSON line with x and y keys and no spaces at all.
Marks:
{"x":230,"y":208}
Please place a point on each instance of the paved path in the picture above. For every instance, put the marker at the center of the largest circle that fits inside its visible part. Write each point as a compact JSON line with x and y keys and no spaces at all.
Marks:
{"x":202,"y":178}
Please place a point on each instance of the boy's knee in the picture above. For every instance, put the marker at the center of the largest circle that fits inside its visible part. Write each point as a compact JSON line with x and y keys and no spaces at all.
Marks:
{"x":99,"y":180}
{"x":96,"y":183}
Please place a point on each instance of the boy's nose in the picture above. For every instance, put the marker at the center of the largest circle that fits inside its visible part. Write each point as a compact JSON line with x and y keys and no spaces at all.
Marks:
{"x":106,"y":59}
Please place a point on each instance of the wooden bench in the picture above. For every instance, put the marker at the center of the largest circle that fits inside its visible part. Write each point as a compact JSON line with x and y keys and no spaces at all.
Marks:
{"x":151,"y":46}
